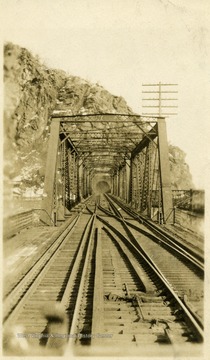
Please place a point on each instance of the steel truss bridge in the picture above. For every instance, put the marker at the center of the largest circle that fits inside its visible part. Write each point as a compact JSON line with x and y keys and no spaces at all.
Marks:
{"x":127,"y":152}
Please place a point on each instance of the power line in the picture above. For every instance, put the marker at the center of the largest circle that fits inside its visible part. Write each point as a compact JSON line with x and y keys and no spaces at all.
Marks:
{"x":158,"y":103}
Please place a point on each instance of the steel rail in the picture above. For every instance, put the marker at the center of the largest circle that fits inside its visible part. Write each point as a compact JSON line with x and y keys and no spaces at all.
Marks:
{"x":15,"y":298}
{"x":74,"y":271}
{"x":13,"y":303}
{"x":74,"y":331}
{"x":98,"y":295}
{"x":166,"y":239}
{"x":67,"y":301}
{"x":136,"y":248}
{"x":171,"y":246}
{"x":47,"y":250}
{"x":160,"y":238}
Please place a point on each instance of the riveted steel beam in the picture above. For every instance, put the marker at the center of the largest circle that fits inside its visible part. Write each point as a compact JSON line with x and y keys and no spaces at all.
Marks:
{"x":105,"y":117}
{"x":166,"y":193}
{"x":150,"y":136}
{"x":48,"y":199}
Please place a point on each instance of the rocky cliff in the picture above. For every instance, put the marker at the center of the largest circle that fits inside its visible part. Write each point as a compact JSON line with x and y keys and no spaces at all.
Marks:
{"x":181,"y":177}
{"x":31,"y":92}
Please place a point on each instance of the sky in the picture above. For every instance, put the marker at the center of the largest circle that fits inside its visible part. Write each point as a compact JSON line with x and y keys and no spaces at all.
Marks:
{"x":122,"y":44}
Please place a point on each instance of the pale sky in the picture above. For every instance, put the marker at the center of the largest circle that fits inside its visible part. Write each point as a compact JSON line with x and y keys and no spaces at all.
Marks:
{"x":123,"y":43}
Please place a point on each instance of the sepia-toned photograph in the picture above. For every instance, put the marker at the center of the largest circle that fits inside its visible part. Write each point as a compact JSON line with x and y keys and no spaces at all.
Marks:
{"x":104,"y":172}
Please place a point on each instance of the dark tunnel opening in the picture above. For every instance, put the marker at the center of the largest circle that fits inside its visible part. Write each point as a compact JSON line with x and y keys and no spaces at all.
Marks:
{"x":102,"y":187}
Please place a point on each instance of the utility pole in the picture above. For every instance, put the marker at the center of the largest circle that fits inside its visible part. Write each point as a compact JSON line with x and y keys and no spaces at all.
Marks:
{"x":161,"y":100}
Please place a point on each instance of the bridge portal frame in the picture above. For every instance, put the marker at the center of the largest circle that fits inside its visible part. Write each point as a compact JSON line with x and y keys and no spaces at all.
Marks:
{"x":50,"y":212}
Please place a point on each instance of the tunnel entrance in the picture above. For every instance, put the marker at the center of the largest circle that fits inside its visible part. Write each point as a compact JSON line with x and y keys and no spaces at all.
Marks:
{"x":101,"y":183}
{"x":102,"y":187}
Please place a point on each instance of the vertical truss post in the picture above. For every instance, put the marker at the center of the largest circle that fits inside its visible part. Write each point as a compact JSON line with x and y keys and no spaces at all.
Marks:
{"x":80,"y":179}
{"x":87,"y":180}
{"x":83,"y":185}
{"x":140,"y":175}
{"x":84,"y":182}
{"x":72,"y":179}
{"x":115,"y":182}
{"x":118,"y":182}
{"x":69,"y":178}
{"x":121,"y":183}
{"x":147,"y":182}
{"x":112,"y":183}
{"x":114,"y":191}
{"x":125,"y":184}
{"x":88,"y":183}
{"x":132,"y":182}
{"x":50,"y":175}
{"x":75,"y":171}
{"x":61,"y":182}
{"x":136,"y":186}
{"x":83,"y":188}
{"x":166,"y":193}
{"x":128,"y":179}
{"x":133,"y":178}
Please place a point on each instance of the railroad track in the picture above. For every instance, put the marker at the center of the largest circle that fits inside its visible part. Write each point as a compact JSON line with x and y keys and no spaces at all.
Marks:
{"x":124,"y":211}
{"x":184,"y":271}
{"x":152,"y":311}
{"x":115,"y":296}
{"x":51,"y":279}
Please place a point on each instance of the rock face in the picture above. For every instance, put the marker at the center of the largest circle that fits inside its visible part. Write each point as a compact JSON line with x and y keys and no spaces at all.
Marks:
{"x":31,"y":92}
{"x":83,"y":97}
{"x":181,"y":177}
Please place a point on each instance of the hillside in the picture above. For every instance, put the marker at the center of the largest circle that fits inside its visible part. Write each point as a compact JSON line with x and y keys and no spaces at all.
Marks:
{"x":31,"y":92}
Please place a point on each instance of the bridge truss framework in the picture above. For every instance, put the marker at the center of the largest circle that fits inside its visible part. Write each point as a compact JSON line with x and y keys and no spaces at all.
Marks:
{"x":130,"y":151}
